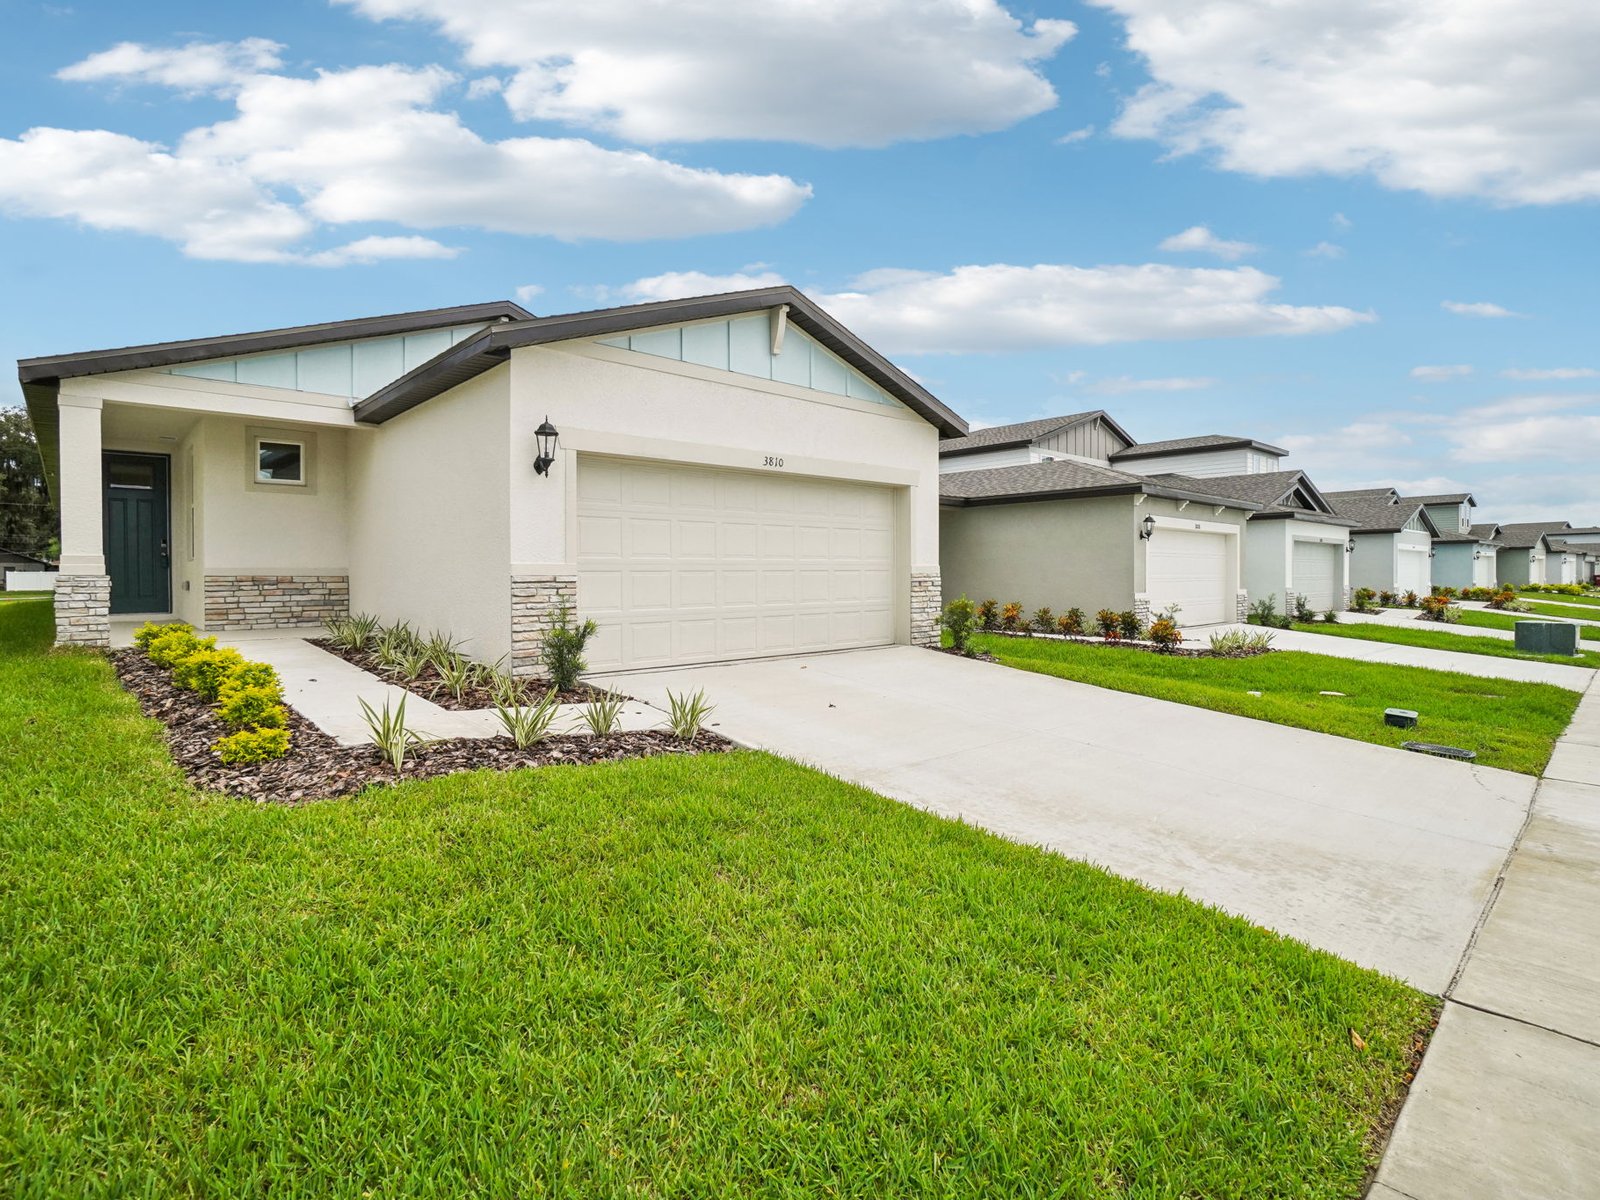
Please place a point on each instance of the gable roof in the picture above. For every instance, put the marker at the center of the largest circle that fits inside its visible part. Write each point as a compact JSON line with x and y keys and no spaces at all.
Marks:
{"x":1271,"y":490}
{"x":1486,"y":532}
{"x":1061,"y":479}
{"x":17,"y":556}
{"x":1446,"y":498}
{"x":1024,"y":433}
{"x":493,"y":346}
{"x":1208,"y":441}
{"x":1521,"y":537}
{"x":1374,"y":512}
{"x":1541,"y":526}
{"x":1362,"y":494}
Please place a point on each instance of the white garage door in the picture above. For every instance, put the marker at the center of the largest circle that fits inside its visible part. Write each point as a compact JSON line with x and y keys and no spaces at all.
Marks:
{"x":1412,"y":571}
{"x":691,"y":564}
{"x":1189,"y":568}
{"x":1317,"y":570}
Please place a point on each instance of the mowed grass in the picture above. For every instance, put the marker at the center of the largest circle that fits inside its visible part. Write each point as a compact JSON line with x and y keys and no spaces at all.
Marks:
{"x":1511,"y":725}
{"x":1552,"y":609}
{"x":1560,"y":598}
{"x":1485,"y":619}
{"x":725,"y":976}
{"x":1437,"y":639}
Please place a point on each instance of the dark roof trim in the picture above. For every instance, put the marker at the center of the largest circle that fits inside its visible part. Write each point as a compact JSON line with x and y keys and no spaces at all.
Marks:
{"x":491,"y":347}
{"x":1155,"y":450}
{"x":1089,"y":493}
{"x":1300,"y":514}
{"x":163,"y":354}
{"x":1072,"y":422}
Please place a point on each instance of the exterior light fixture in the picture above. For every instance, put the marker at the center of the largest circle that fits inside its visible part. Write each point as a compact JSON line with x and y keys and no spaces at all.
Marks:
{"x":1146,"y":528}
{"x":1349,"y":547}
{"x":1433,"y":554}
{"x":546,"y":436}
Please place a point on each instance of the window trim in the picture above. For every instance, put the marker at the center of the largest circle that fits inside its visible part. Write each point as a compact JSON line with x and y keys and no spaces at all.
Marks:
{"x":299,"y":443}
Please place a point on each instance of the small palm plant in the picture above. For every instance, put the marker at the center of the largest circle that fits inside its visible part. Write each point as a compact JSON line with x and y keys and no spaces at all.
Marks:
{"x":687,"y":714}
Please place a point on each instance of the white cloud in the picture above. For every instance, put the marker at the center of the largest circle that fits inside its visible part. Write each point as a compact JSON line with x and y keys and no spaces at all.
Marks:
{"x":976,"y":309}
{"x":1570,"y":437}
{"x":1325,"y":250}
{"x":1121,"y":385}
{"x":1340,"y":221}
{"x":1077,"y":135}
{"x":1447,"y":97}
{"x":674,"y":285}
{"x":1200,"y":240}
{"x":838,"y":74}
{"x":485,"y":86}
{"x":379,"y":249}
{"x":197,"y":67}
{"x":1523,"y":406}
{"x":1543,"y":373}
{"x":1480,"y":308}
{"x":528,"y":292}
{"x":367,"y":144}
{"x":1441,"y":374}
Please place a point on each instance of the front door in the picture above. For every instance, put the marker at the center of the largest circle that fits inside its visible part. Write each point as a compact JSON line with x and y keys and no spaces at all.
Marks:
{"x":138,"y":549}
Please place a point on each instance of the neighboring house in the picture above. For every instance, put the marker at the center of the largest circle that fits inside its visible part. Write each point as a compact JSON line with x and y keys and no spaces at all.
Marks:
{"x":1295,"y":544}
{"x":1450,"y":512}
{"x":1069,"y":534}
{"x":714,"y":478}
{"x":1587,"y":539}
{"x":1522,"y":555}
{"x":1469,"y":559}
{"x":1392,"y":541}
{"x":1566,"y":561}
{"x":1090,"y":437}
{"x":1208,"y":455}
{"x":12,"y":561}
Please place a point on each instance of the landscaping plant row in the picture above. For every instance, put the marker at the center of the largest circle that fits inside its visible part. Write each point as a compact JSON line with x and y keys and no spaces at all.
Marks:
{"x":961,"y":619}
{"x":248,"y":696}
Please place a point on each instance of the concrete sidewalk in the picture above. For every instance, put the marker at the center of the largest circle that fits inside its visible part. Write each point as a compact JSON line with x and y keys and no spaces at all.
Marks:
{"x":1482,"y":665}
{"x":1507,"y":1102}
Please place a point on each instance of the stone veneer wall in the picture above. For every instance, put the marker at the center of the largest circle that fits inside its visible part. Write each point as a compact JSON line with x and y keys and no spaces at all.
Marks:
{"x":925,"y":608}
{"x":83,"y":610}
{"x":275,"y":601}
{"x":1141,"y":607}
{"x":535,"y":600}
{"x":1241,"y":606}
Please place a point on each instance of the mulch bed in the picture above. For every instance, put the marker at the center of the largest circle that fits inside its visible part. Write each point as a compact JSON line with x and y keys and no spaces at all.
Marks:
{"x":318,"y":767}
{"x":429,"y":686}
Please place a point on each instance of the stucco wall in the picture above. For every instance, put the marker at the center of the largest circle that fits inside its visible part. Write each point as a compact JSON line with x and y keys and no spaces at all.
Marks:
{"x":429,"y":516}
{"x":1269,"y":555}
{"x":1061,"y":553}
{"x":1453,"y":566}
{"x":1514,"y":567}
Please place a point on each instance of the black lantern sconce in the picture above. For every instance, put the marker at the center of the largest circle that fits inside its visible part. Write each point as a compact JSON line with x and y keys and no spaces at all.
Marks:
{"x":546,"y":436}
{"x":1349,"y":547}
{"x":1146,"y":528}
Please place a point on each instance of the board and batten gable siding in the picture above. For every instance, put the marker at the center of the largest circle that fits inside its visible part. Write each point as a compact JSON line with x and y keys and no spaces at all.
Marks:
{"x":1450,"y":518}
{"x":1203,"y":463}
{"x":1089,"y":440}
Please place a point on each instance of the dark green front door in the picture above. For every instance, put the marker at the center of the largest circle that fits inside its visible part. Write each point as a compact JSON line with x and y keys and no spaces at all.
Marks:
{"x":138,"y":550}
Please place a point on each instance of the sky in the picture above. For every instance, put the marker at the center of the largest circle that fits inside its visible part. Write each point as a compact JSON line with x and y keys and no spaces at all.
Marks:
{"x":1367,"y":232}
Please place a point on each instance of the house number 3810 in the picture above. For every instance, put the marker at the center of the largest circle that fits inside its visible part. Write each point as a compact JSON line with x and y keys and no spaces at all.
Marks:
{"x":772,"y":460}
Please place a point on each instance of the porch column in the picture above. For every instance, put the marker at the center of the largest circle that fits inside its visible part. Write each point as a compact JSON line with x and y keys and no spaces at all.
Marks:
{"x":83,"y":589}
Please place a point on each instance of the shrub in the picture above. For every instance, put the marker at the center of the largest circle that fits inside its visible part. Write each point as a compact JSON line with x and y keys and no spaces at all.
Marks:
{"x":1129,"y":624}
{"x":1011,"y":617}
{"x":178,"y":642}
{"x":203,"y":671}
{"x":1265,"y":612}
{"x":1303,"y":611}
{"x":1477,"y":593}
{"x":1108,"y":623}
{"x":1409,"y":600}
{"x":989,"y":616}
{"x":1449,"y":593}
{"x":1044,"y":620}
{"x":457,"y":672}
{"x":389,"y":733}
{"x":686,"y":714}
{"x":527,"y":725}
{"x":1386,"y":599}
{"x":1071,"y":622}
{"x":1506,"y":601}
{"x":1165,"y":634}
{"x":601,"y":713}
{"x":253,"y":708}
{"x":1362,"y":600}
{"x":150,"y":631}
{"x":1331,"y":616}
{"x":250,"y":674}
{"x":1439,"y":608}
{"x":958,"y":617}
{"x":562,"y":650}
{"x":352,"y":633}
{"x":252,"y":745}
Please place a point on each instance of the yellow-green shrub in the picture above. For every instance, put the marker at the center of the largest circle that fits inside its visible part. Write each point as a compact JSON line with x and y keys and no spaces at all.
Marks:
{"x":253,"y":675}
{"x":177,"y":643}
{"x":150,"y":631}
{"x":253,"y":707}
{"x":204,"y":670}
{"x":252,"y":745}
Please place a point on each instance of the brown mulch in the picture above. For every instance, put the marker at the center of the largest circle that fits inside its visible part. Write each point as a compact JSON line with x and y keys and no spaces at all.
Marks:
{"x":318,"y":767}
{"x":429,"y":686}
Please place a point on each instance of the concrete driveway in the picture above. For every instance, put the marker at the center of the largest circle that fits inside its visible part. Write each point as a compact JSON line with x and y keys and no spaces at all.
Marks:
{"x":1383,"y":857}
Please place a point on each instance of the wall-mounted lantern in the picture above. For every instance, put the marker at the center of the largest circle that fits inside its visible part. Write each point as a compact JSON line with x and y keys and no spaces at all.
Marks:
{"x":1433,"y":554}
{"x":1349,"y":547}
{"x":546,"y":436}
{"x":1146,"y":528}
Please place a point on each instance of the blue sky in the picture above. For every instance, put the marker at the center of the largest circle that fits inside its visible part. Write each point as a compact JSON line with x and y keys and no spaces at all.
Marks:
{"x":1363,"y":233}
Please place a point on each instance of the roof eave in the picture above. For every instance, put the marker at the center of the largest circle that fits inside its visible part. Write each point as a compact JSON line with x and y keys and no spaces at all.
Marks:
{"x":1089,"y":493}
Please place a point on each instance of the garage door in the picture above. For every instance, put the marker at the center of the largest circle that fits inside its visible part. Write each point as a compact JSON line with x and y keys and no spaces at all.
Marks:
{"x":1412,"y":571}
{"x":1317,"y":570}
{"x":691,"y":564}
{"x":1190,"y":569}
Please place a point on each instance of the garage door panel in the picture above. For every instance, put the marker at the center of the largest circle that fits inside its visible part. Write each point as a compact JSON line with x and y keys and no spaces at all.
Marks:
{"x":686,"y":564}
{"x":1412,"y":570}
{"x":1317,"y":569}
{"x":1190,"y":569}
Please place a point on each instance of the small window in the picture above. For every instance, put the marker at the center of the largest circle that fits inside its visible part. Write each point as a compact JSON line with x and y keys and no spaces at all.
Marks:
{"x":131,"y":473}
{"x":280,"y":462}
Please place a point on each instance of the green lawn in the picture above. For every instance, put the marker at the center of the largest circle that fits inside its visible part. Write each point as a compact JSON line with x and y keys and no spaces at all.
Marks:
{"x":1486,"y":619}
{"x":1558,"y":597}
{"x":1435,"y":638}
{"x":1551,"y":609}
{"x":1510,"y":725}
{"x":725,"y":976}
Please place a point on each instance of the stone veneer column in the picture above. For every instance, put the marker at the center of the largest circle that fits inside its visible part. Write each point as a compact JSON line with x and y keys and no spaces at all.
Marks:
{"x":275,"y":601}
{"x":925,"y":608}
{"x":1241,"y":606}
{"x":1141,"y":607}
{"x":83,"y":610}
{"x":535,"y":601}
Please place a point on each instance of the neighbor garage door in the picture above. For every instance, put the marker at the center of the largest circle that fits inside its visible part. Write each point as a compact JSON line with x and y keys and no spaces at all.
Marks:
{"x":1412,"y":571}
{"x":690,"y":564}
{"x":1316,"y":572}
{"x":1189,"y":568}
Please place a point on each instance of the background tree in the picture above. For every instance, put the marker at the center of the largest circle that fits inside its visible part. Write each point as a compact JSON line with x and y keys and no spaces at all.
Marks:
{"x":28,"y":521}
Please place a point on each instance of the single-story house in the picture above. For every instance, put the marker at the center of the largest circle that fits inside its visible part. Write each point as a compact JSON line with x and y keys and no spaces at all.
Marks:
{"x":1091,"y":437}
{"x":1587,"y":541}
{"x":714,"y":478}
{"x":1566,"y":562}
{"x":16,"y":561}
{"x":1521,"y":555}
{"x":1392,"y":542}
{"x":1295,"y":544}
{"x":1067,"y":534}
{"x":1207,"y":455}
{"x":1469,"y":559}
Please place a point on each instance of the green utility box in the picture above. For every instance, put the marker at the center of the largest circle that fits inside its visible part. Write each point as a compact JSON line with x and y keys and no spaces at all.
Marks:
{"x":1547,"y":637}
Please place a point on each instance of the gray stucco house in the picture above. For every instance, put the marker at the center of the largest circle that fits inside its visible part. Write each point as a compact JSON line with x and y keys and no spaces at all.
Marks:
{"x":1392,"y":541}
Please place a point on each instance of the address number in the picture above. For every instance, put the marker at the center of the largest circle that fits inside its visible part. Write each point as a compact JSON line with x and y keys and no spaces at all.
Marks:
{"x":772,"y":460}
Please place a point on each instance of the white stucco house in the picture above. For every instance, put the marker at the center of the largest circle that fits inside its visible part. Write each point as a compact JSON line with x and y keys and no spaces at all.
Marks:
{"x":715,"y":478}
{"x":1392,"y":542}
{"x":1067,"y":529}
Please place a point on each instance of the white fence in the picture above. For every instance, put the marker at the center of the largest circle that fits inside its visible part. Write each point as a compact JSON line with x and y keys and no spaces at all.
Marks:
{"x":30,"y":581}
